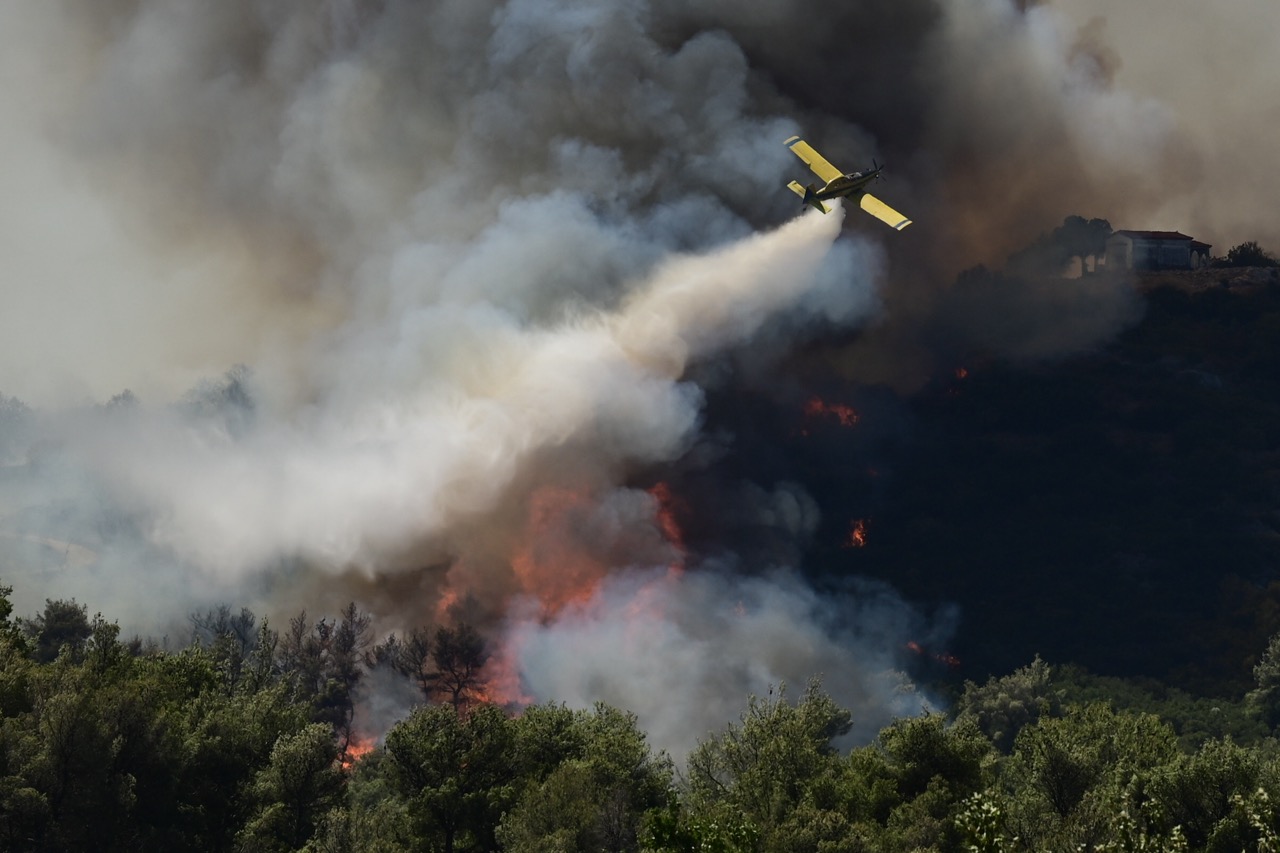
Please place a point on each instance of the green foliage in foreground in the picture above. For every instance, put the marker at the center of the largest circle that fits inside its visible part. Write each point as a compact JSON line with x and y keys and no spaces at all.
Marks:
{"x":224,"y":747}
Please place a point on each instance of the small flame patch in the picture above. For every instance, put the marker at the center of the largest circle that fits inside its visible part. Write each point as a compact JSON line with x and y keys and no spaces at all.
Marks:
{"x":845,"y":415}
{"x":857,"y":537}
{"x":356,"y":749}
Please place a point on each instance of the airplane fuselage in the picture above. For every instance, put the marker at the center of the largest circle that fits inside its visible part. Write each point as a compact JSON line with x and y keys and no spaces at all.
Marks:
{"x":846,"y":185}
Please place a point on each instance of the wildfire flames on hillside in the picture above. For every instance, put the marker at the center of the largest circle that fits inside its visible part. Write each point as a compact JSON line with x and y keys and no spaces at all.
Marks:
{"x":843,"y":415}
{"x":561,"y":570}
{"x":857,"y":537}
{"x":358,"y":748}
{"x":945,"y":658}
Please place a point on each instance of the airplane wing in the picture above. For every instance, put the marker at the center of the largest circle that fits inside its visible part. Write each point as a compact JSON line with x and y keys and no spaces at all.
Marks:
{"x":883,"y":212}
{"x":813,"y":159}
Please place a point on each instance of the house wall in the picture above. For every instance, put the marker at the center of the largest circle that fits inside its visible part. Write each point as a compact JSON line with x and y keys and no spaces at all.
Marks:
{"x":1119,"y":254}
{"x":1124,"y":252}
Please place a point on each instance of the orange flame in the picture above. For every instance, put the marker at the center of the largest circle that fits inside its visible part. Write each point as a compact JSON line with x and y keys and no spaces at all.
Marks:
{"x":946,"y":658}
{"x":667,"y":524}
{"x":549,"y":566}
{"x":845,"y":415}
{"x":501,"y":677}
{"x":962,"y":373}
{"x":857,"y":537}
{"x":647,"y":603}
{"x":448,"y":600}
{"x":556,"y":568}
{"x":356,"y":749}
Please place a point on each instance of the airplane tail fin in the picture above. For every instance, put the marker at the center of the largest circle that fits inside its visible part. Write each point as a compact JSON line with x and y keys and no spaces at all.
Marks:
{"x":806,"y":193}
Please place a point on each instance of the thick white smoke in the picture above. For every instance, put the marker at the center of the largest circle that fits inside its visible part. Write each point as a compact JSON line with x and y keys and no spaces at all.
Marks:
{"x":381,"y":465}
{"x":681,"y":650}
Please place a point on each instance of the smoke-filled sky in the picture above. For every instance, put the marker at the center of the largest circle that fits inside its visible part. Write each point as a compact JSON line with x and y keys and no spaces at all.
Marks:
{"x":1213,"y":67}
{"x":472,"y":255}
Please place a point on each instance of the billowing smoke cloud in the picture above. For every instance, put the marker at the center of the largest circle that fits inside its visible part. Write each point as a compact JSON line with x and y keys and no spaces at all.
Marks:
{"x":483,"y":260}
{"x":679,"y":651}
{"x":1214,"y":69}
{"x":345,"y":485}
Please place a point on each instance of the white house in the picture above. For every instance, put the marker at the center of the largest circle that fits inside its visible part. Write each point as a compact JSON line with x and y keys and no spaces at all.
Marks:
{"x":1155,"y":250}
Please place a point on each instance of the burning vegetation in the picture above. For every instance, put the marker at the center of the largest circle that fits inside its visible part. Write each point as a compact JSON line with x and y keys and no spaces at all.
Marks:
{"x":857,"y":537}
{"x":843,"y":414}
{"x":355,"y":750}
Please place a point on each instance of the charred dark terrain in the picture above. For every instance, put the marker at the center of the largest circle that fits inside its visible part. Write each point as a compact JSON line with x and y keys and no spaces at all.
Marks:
{"x":1115,"y":509}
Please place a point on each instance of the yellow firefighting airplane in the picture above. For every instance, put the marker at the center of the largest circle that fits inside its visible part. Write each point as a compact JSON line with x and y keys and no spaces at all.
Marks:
{"x":839,"y":185}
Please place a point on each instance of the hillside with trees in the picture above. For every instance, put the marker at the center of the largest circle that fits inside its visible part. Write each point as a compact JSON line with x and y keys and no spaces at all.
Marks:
{"x":242,"y":742}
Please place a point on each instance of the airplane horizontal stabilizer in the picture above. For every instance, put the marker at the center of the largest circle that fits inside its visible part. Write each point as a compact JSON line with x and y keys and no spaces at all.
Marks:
{"x":883,"y":212}
{"x":807,"y":196}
